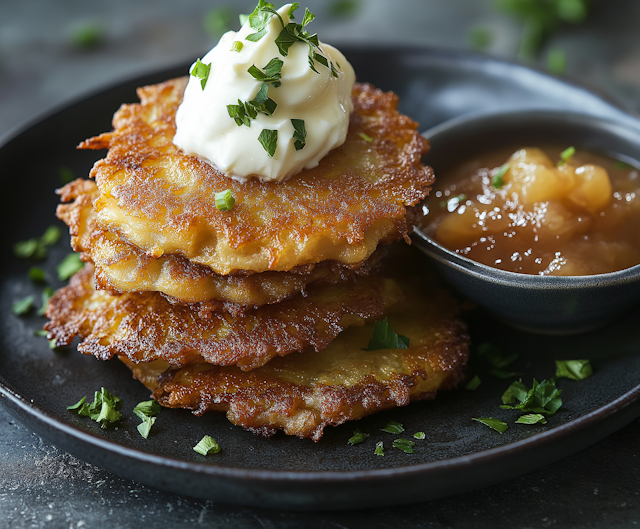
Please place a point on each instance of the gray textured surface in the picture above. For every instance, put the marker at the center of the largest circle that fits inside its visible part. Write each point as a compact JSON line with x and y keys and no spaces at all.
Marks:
{"x":41,"y":486}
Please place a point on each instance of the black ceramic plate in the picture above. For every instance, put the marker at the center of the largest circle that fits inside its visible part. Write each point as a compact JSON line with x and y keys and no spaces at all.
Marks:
{"x":457,"y":455}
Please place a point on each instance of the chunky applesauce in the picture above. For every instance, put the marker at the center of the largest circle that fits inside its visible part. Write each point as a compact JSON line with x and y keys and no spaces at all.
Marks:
{"x":540,"y":211}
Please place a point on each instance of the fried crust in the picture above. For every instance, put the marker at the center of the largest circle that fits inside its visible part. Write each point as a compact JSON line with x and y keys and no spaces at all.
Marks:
{"x":121,"y":267}
{"x":145,"y":326}
{"x":155,"y":197}
{"x":301,"y":394}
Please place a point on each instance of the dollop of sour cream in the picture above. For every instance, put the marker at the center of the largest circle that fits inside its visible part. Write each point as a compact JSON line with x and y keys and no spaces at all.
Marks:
{"x":322,"y":100}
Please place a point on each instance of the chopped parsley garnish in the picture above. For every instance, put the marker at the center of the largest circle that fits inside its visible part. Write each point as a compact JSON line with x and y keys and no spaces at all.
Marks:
{"x":255,"y":37}
{"x":22,"y":306}
{"x":299,"y":133}
{"x":497,"y":180}
{"x":294,"y":7}
{"x":419,"y":435}
{"x":620,"y":166}
{"x":384,"y":338}
{"x":573,"y":369}
{"x":147,"y":411}
{"x":103,"y":409}
{"x":379,"y":451}
{"x":272,"y":72}
{"x":147,"y":408}
{"x":206,"y":446}
{"x":293,"y":32}
{"x":366,"y":137}
{"x":358,"y":437}
{"x":532,"y":418}
{"x":308,"y":17}
{"x":269,"y":140}
{"x":543,"y":397}
{"x":201,"y":71}
{"x":37,"y":248}
{"x":262,"y":103}
{"x":224,"y":200}
{"x":30,"y":249}
{"x":494,"y":356}
{"x":47,"y":294}
{"x":243,"y":113}
{"x":404,"y":444}
{"x":50,"y":236}
{"x":566,"y":155}
{"x":78,"y":404}
{"x":69,"y":266}
{"x":65,"y":175}
{"x":261,"y":17}
{"x":497,"y":425}
{"x":237,"y":46}
{"x":36,"y":274}
{"x":393,"y":427}
{"x":517,"y":390}
{"x":474,"y":383}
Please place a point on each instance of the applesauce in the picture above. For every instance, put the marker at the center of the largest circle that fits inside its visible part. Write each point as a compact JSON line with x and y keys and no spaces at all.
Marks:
{"x":549,"y":211}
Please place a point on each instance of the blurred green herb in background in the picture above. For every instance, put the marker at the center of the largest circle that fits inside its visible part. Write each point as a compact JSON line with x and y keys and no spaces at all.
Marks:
{"x":344,"y":8}
{"x":480,"y":38}
{"x":557,"y":61}
{"x":87,"y":36}
{"x":541,"y":19}
{"x":219,"y":20}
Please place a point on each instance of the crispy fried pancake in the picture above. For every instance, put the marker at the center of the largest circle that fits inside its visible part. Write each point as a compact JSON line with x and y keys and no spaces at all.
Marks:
{"x":303,"y":393}
{"x":146,"y":327}
{"x":161,"y":200}
{"x":121,"y":267}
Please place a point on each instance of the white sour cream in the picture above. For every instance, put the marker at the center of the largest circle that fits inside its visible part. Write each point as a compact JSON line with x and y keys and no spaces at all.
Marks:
{"x":323,"y":101}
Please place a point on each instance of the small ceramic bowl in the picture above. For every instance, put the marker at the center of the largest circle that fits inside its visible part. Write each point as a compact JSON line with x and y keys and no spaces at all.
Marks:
{"x":542,"y":304}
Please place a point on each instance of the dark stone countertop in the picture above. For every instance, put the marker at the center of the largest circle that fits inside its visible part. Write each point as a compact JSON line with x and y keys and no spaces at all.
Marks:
{"x":41,"y":486}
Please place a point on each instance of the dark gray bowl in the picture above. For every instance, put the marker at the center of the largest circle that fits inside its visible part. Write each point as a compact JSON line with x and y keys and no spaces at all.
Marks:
{"x":542,"y":304}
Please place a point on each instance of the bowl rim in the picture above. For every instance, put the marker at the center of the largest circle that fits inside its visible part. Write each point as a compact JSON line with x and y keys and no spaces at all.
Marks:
{"x":516,"y":279}
{"x":532,"y":114}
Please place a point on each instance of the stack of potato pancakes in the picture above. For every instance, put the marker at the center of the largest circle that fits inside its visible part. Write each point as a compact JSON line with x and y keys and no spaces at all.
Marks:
{"x":265,"y":311}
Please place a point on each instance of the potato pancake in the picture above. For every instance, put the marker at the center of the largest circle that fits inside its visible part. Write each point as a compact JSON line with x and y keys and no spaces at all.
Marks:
{"x":145,"y":326}
{"x":121,"y":267}
{"x":157,"y":198}
{"x":301,"y":394}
